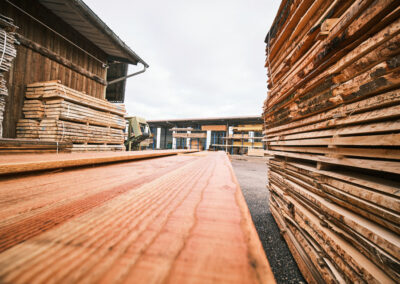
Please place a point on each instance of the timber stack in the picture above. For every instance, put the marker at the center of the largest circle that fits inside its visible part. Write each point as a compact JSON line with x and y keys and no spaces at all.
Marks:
{"x":244,"y":139}
{"x":191,"y":140}
{"x":54,"y":112}
{"x":332,"y":128}
{"x":7,"y":54}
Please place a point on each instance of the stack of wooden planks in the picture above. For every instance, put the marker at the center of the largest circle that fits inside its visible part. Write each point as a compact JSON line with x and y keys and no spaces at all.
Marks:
{"x":7,"y":54}
{"x":248,"y":127}
{"x":11,"y":146}
{"x":3,"y":94}
{"x":242,"y":138}
{"x":332,"y":129}
{"x":54,"y":112}
{"x":187,"y":133}
{"x":214,"y":127}
{"x":178,"y":219}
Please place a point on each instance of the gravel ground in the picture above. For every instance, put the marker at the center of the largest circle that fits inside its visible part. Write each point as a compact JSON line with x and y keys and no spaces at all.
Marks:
{"x":252,"y":175}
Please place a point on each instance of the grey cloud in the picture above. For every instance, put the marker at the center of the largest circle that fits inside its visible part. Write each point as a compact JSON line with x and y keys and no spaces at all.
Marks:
{"x":206,"y":57}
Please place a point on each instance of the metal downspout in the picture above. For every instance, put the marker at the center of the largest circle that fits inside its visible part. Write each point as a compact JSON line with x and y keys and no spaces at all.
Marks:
{"x":127,"y":76}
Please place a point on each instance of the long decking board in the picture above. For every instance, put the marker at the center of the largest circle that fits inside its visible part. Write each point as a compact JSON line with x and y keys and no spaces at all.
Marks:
{"x":178,"y":219}
{"x":12,"y":164}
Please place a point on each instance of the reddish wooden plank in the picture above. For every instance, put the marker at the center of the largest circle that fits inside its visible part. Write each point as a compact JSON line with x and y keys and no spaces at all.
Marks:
{"x":191,"y":225}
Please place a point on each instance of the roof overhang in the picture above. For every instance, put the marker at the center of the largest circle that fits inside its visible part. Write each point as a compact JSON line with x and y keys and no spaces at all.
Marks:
{"x":207,"y":120}
{"x":80,"y":17}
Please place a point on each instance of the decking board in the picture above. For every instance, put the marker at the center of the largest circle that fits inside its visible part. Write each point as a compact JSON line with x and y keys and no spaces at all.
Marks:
{"x":178,"y":219}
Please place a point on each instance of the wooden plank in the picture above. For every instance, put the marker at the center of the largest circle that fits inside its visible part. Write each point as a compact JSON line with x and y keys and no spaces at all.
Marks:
{"x":370,"y":182}
{"x":185,"y":129}
{"x":189,"y":135}
{"x":377,"y":165}
{"x":306,"y":265}
{"x":370,"y":128}
{"x":343,"y":151}
{"x":130,"y":216}
{"x":285,"y":88}
{"x":364,"y":85}
{"x":383,"y":238}
{"x":18,"y":164}
{"x":61,"y":114}
{"x":340,"y":113}
{"x":364,"y":207}
{"x":255,"y":152}
{"x":237,"y":146}
{"x":364,"y":268}
{"x":377,"y":255}
{"x":54,"y":89}
{"x":214,"y":127}
{"x":364,"y":140}
{"x":246,"y":128}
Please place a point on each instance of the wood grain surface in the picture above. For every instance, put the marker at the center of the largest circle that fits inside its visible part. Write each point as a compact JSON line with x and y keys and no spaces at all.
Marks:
{"x":178,"y":219}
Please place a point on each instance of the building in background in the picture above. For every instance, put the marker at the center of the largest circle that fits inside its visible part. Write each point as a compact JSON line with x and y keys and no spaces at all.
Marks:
{"x":233,"y":134}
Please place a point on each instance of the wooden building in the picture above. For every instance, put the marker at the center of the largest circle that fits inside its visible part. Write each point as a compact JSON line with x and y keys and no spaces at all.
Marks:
{"x":63,"y":40}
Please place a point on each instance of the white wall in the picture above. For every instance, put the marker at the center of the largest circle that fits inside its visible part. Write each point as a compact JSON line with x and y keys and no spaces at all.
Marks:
{"x":208,"y":142}
{"x":188,"y":141}
{"x":173,"y":140}
{"x":158,"y":137}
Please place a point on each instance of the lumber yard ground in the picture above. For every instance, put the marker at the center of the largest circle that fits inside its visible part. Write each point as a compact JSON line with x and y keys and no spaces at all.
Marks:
{"x":251,"y":173}
{"x":175,"y":219}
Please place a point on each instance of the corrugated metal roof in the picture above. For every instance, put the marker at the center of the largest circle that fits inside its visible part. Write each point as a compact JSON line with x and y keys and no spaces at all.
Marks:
{"x":79,"y":16}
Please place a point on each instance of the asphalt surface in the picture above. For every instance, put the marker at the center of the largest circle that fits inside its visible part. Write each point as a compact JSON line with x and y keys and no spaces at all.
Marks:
{"x":252,"y":175}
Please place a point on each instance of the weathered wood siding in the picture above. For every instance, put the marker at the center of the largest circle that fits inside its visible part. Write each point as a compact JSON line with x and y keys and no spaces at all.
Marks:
{"x":116,"y":92}
{"x":31,"y":66}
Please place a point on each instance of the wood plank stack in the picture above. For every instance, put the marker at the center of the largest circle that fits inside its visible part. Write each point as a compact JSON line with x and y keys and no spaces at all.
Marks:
{"x":188,"y":132}
{"x":255,"y":152}
{"x":189,"y":135}
{"x":12,"y":146}
{"x":243,"y":138}
{"x":248,"y":127}
{"x":3,"y":94}
{"x":33,"y":109}
{"x":28,"y":129}
{"x":7,"y":54}
{"x":214,"y":127}
{"x":54,"y":112}
{"x":332,"y":129}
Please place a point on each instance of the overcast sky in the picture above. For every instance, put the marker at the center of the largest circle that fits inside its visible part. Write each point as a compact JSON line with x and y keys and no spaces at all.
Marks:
{"x":206,"y":57}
